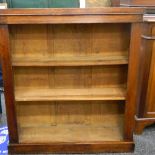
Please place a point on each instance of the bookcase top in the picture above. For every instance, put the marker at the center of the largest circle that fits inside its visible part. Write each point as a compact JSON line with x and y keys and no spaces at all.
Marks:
{"x":71,"y":15}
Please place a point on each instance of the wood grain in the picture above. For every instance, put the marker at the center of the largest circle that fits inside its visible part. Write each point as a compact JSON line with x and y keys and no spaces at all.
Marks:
{"x":133,"y":87}
{"x":70,"y":77}
{"x":70,"y":44}
{"x":138,"y":3}
{"x":56,"y":92}
{"x":97,"y":147}
{"x":8,"y":83}
{"x":113,"y":93}
{"x":60,"y":16}
{"x":146,"y":55}
{"x":142,"y":123}
{"x":98,"y":3}
{"x":120,"y":58}
{"x":70,"y":121}
{"x":150,"y":98}
{"x":73,"y":11}
{"x":70,"y":133}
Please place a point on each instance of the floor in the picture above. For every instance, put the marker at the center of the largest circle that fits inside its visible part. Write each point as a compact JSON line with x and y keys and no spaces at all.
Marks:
{"x":145,"y":143}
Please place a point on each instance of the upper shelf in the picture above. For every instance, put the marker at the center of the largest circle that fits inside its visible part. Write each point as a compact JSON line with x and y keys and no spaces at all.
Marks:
{"x":121,"y":58}
{"x":71,"y":15}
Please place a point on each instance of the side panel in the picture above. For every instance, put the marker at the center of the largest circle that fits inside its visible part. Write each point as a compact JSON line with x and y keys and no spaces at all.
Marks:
{"x":8,"y":83}
{"x":150,"y":98}
{"x":147,"y":73}
{"x":132,"y":84}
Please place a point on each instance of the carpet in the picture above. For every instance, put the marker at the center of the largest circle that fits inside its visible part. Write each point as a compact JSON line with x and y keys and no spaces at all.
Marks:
{"x":4,"y":140}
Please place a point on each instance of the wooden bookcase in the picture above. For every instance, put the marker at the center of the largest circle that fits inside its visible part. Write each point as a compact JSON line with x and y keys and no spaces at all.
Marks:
{"x":70,"y":78}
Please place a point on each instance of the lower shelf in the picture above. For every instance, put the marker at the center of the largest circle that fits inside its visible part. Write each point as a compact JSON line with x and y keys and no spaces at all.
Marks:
{"x":71,"y":133}
{"x":38,"y":94}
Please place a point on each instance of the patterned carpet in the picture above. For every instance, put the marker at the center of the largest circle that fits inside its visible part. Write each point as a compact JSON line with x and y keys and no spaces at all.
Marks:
{"x":145,"y":143}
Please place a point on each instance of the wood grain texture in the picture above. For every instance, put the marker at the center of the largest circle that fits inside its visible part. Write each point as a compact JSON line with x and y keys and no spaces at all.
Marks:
{"x":69,"y":11}
{"x":71,"y":83}
{"x":60,"y":16}
{"x":70,"y":121}
{"x":133,"y":81}
{"x":67,"y":45}
{"x":8,"y":83}
{"x":113,"y":93}
{"x":102,"y":3}
{"x":35,"y":19}
{"x":46,"y":114}
{"x":115,"y":3}
{"x":64,"y":95}
{"x":97,"y":147}
{"x":139,"y":3}
{"x":141,"y":123}
{"x":36,"y":114}
{"x":120,"y":58}
{"x":70,"y":133}
{"x":146,"y":108}
{"x":146,"y":54}
{"x":70,"y":77}
{"x":98,"y":3}
{"x":150,"y":98}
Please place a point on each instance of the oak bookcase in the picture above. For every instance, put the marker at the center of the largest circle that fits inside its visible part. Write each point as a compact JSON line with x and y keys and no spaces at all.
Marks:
{"x":70,"y":78}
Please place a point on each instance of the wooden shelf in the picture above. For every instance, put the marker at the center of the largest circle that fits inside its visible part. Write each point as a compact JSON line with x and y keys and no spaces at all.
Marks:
{"x":71,"y":133}
{"x":71,"y":61}
{"x":38,"y":94}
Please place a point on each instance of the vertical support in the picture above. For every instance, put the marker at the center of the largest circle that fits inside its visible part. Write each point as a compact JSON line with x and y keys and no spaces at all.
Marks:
{"x":133,"y":81}
{"x":8,"y":83}
{"x":146,"y":55}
